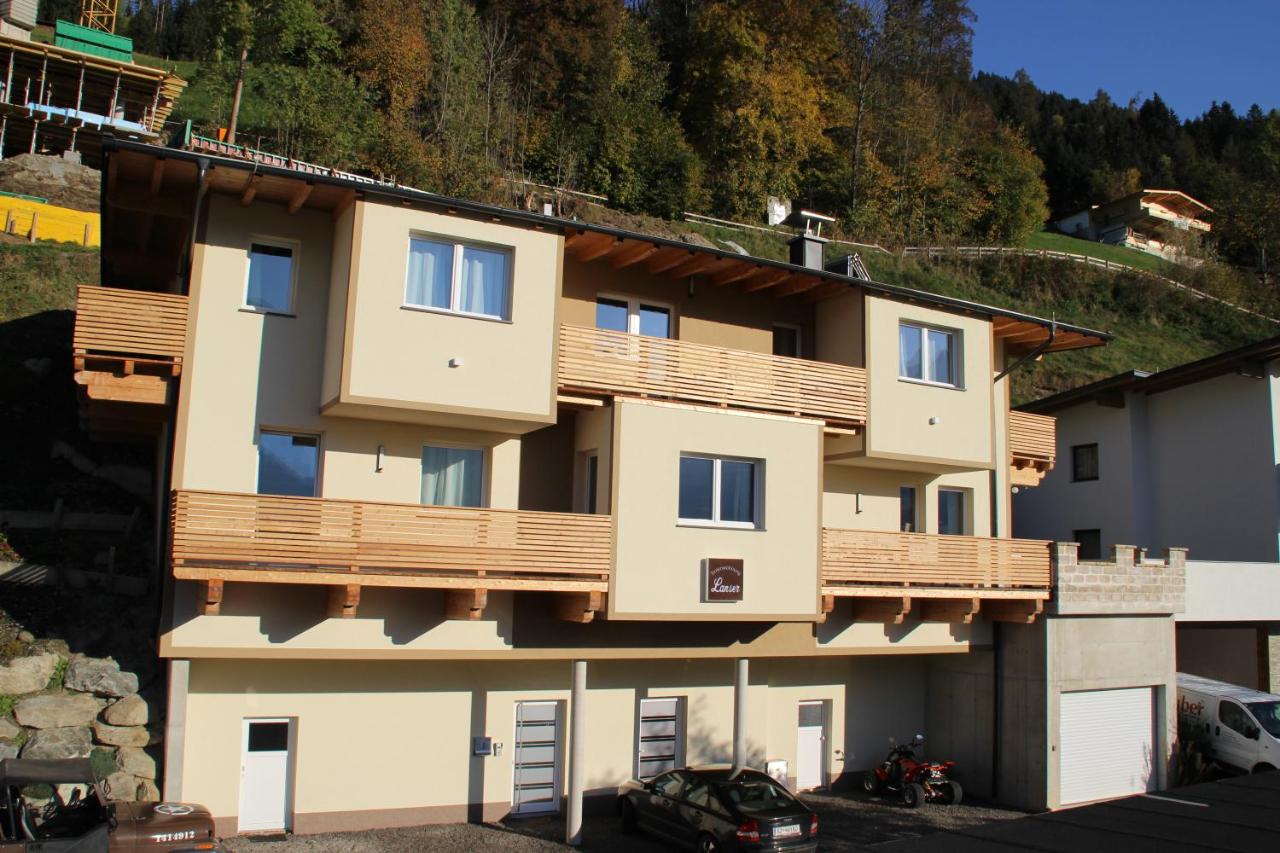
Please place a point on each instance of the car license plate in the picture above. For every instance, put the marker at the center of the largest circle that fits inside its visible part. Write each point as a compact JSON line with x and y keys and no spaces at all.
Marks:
{"x":792,"y":831}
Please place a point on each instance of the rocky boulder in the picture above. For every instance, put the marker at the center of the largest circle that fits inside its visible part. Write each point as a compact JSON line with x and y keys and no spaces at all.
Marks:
{"x":129,"y":711}
{"x":27,"y":675}
{"x":8,"y":750}
{"x":120,"y":735}
{"x":71,"y":742}
{"x":8,"y":731}
{"x":136,"y":762}
{"x":121,"y":786}
{"x":53,"y":712}
{"x":100,"y":676}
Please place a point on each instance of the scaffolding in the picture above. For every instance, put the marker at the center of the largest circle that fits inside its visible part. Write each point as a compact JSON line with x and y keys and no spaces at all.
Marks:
{"x":99,"y":15}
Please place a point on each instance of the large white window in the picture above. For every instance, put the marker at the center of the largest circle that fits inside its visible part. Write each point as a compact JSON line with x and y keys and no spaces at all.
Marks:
{"x":270,"y":281}
{"x":930,"y":355}
{"x":627,"y":314}
{"x":453,"y":476}
{"x":719,"y":491}
{"x":459,"y":278}
{"x":660,"y":745}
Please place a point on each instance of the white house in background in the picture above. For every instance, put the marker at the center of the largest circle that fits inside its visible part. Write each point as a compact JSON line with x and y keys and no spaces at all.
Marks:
{"x":1186,"y":455}
{"x":1152,"y":221}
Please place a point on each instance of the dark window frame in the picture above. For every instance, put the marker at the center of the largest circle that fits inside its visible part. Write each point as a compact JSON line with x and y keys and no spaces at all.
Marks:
{"x":1076,"y":449}
{"x":1084,"y":552}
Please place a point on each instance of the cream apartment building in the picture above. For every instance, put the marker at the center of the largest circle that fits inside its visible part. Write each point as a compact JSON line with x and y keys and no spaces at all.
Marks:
{"x":490,"y":510}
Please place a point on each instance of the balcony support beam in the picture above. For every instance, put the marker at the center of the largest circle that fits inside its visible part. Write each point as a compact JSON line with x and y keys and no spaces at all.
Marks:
{"x":958,"y":610}
{"x":344,"y":601}
{"x":465,"y":604}
{"x":1021,"y":612}
{"x":887,"y":609}
{"x":211,"y":597}
{"x":741,"y":681}
{"x":579,"y":607}
{"x":577,"y":753}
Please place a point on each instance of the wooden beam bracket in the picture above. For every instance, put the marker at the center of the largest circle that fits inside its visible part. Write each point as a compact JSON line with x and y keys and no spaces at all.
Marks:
{"x":1018,"y":611}
{"x":579,"y":606}
{"x":959,"y":610}
{"x":465,"y":604}
{"x":892,"y":609}
{"x":211,"y":597}
{"x":344,"y":600}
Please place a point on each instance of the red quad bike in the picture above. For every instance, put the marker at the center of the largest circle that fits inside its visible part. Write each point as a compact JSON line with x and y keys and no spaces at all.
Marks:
{"x":916,"y":781}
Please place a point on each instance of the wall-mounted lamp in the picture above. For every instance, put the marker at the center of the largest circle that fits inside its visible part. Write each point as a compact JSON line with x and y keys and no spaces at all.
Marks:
{"x":857,"y":502}
{"x":456,"y":361}
{"x":933,"y":421}
{"x":382,"y":457}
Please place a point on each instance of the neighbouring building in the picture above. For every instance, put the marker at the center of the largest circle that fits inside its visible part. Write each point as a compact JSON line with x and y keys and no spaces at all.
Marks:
{"x":1189,"y":455}
{"x":63,"y":97}
{"x":485,"y":509}
{"x":1160,"y":222}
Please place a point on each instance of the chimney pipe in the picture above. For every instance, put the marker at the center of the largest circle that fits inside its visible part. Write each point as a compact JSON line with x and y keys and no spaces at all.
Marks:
{"x":806,"y":250}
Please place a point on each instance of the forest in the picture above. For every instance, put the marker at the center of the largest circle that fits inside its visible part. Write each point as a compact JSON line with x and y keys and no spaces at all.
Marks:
{"x":866,"y":109}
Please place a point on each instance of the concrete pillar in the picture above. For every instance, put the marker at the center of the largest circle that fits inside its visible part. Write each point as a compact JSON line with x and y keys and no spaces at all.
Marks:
{"x":175,"y":728}
{"x":577,"y":753}
{"x":740,"y":680}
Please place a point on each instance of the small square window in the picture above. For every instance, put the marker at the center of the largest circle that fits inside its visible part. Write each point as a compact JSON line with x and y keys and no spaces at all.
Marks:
{"x":1090,"y":542}
{"x":928,"y":355}
{"x":288,"y":464}
{"x":720,"y":492}
{"x":1084,"y":462}
{"x":453,"y":476}
{"x":270,"y":284}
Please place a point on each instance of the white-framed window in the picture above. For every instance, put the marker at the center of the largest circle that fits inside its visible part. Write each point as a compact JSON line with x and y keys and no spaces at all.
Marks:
{"x":453,"y":476}
{"x":659,"y":736}
{"x":927,"y":354}
{"x":288,"y":464}
{"x":634,"y":316}
{"x":458,"y":278}
{"x":952,"y":510}
{"x":720,"y":491}
{"x":270,"y":276}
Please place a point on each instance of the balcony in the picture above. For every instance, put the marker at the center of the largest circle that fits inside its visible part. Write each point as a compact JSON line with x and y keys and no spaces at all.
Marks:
{"x":603,"y":362}
{"x":1032,"y":447}
{"x":220,"y":537}
{"x":128,"y":347}
{"x":952,"y":577}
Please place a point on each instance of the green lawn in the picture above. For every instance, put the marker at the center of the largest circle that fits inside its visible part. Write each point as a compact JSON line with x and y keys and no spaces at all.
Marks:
{"x":1101,"y":251}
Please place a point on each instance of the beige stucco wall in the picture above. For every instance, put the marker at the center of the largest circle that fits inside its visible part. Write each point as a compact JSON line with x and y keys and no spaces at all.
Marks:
{"x":426,"y":714}
{"x":398,"y":358}
{"x":339,"y":280}
{"x":659,"y":563}
{"x":701,"y":312}
{"x":880,"y":500}
{"x":840,"y":327}
{"x":899,"y":411}
{"x":594,"y":434}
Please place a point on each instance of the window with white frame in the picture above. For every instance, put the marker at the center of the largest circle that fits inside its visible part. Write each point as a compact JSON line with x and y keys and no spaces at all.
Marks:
{"x":453,"y":476}
{"x":719,"y":491}
{"x":634,"y":316}
{"x":460,"y":278}
{"x":660,"y":737}
{"x":269,"y":285}
{"x":926,"y":354}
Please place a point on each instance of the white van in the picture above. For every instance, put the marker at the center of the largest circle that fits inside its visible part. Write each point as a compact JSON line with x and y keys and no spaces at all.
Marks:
{"x":1238,"y":727}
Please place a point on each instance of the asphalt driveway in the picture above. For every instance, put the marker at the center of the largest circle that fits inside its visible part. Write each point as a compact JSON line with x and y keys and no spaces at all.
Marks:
{"x":849,"y":822}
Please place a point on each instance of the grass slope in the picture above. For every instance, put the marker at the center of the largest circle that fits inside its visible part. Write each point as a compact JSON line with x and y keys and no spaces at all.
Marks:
{"x":42,"y":276}
{"x":1103,"y":252}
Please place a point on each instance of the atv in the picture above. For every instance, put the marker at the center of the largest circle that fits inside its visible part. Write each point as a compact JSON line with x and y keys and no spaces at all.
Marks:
{"x":915,"y":781}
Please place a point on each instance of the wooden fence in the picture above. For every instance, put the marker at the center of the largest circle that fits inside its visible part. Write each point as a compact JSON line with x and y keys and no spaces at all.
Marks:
{"x":906,"y":560}
{"x":1033,"y":436}
{"x":120,"y":322}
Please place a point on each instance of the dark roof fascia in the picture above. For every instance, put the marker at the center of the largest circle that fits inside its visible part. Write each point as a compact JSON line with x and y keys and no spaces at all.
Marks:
{"x":1121,"y":382}
{"x":538,"y":220}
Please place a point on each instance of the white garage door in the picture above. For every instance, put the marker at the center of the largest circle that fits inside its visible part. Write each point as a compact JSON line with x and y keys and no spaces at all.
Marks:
{"x":1106,"y":744}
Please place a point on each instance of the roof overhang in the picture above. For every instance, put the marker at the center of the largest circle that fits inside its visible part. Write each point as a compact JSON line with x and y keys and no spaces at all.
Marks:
{"x":314,"y":188}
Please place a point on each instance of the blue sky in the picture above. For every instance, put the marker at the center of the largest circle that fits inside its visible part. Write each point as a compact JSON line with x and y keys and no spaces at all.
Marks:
{"x":1192,"y":53}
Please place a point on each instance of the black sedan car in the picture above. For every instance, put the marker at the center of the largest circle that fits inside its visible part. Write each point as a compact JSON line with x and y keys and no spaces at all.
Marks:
{"x":718,"y":808}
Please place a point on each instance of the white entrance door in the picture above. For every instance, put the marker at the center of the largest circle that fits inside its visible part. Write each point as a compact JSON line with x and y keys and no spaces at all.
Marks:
{"x":1106,"y":744}
{"x":266,"y":771}
{"x":811,"y":746}
{"x":537,"y":758}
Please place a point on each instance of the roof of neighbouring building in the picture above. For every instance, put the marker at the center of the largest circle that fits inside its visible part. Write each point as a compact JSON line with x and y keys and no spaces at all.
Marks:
{"x":1249,"y":360}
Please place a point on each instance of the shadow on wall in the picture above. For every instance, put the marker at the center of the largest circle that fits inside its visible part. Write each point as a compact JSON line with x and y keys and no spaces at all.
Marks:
{"x":885,"y":700}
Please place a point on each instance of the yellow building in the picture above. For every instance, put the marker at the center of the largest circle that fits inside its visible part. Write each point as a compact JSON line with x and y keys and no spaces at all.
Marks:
{"x":474,"y":511}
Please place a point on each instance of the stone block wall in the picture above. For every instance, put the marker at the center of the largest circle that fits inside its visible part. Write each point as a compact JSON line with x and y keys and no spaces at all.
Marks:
{"x":1128,"y":584}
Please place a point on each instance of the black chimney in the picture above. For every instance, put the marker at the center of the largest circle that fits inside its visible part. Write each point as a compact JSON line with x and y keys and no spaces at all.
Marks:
{"x":806,"y":248}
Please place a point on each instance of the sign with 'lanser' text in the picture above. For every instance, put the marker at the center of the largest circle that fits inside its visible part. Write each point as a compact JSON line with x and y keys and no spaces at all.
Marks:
{"x":724,"y":579}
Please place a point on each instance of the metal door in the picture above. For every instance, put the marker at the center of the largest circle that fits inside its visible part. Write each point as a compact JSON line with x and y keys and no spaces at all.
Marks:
{"x":266,"y":774}
{"x":811,"y":742}
{"x":536,"y":788}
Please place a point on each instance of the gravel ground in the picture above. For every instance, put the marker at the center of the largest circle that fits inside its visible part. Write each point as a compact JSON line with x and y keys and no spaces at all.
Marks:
{"x":849,"y":823}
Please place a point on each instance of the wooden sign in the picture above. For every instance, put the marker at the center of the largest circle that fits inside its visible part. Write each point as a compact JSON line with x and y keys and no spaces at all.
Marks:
{"x":724,"y":579}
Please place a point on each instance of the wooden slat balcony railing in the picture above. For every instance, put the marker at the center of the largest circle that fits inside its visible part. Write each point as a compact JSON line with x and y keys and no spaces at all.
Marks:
{"x":219,"y":536}
{"x":130,"y":325}
{"x":903,"y":562}
{"x":599,"y":361}
{"x":1033,"y":437}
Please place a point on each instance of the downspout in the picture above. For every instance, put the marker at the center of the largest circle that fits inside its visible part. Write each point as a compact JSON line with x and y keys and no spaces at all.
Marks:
{"x":997,"y":636}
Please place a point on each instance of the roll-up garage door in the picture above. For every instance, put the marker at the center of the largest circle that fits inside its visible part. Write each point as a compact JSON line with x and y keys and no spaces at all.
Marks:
{"x":1106,"y":744}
